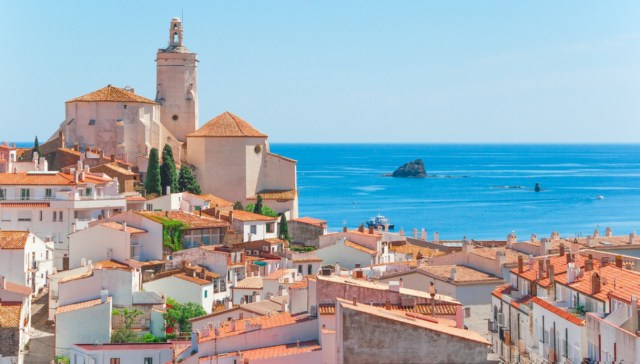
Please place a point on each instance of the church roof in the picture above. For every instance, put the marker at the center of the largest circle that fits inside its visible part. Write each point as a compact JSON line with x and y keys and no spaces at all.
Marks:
{"x":227,"y":125}
{"x":112,"y":94}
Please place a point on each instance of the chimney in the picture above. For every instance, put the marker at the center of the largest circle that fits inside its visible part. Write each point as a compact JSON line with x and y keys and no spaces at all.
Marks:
{"x":387,"y":304}
{"x":415,"y":233}
{"x":423,"y":235}
{"x":534,"y":237}
{"x":540,"y":269}
{"x":608,"y":232}
{"x":596,"y":233}
{"x":76,"y":147}
{"x":561,"y":253}
{"x":590,"y":242}
{"x":73,"y":227}
{"x":619,"y":261}
{"x":568,"y":256}
{"x":355,"y":303}
{"x":167,"y":190}
{"x":520,"y":264}
{"x":370,"y":229}
{"x":588,"y":265}
{"x":3,"y":282}
{"x":571,"y":273}
{"x":595,"y":283}
{"x":552,"y":275}
{"x":436,"y":237}
{"x":103,"y":295}
{"x":454,"y":274}
{"x":284,"y":306}
{"x":634,"y":313}
{"x":401,"y":282}
{"x":545,"y":246}
{"x":113,"y":158}
{"x":511,"y":239}
{"x":555,"y":236}
{"x":632,"y":237}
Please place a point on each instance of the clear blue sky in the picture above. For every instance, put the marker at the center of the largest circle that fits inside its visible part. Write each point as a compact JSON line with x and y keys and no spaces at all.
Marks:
{"x":344,"y":71}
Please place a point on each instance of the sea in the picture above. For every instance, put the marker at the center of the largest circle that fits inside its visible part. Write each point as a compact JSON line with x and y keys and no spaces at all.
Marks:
{"x":474,"y":191}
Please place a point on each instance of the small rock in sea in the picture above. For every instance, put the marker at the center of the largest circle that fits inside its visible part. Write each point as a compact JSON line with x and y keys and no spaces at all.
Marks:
{"x":414,"y":169}
{"x":537,"y":188}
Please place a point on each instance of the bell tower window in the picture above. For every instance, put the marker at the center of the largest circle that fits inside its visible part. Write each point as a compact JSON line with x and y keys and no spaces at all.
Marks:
{"x":176,"y":38}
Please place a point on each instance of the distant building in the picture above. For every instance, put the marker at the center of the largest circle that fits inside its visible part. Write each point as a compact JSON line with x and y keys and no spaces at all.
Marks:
{"x":25,"y":259}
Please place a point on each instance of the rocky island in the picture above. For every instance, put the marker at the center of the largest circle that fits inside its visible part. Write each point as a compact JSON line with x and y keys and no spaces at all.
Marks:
{"x":414,"y":169}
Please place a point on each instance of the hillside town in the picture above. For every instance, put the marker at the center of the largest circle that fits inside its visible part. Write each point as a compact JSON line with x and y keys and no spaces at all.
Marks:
{"x":132,"y":235}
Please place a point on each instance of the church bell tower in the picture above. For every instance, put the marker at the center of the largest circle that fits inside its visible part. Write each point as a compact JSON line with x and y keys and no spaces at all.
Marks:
{"x":177,"y":84}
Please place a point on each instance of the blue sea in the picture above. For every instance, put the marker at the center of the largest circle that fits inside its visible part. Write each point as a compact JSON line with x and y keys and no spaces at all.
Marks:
{"x":584,"y":187}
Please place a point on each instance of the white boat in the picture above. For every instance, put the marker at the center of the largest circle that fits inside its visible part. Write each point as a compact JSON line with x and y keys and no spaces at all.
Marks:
{"x":379,"y":221}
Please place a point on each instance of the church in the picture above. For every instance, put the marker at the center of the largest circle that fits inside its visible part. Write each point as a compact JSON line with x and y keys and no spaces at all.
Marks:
{"x":231,"y":159}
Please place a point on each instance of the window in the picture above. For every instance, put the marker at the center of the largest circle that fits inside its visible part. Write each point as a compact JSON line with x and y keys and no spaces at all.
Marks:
{"x":24,"y":215}
{"x":61,"y":216}
{"x":300,"y":269}
{"x":309,"y":269}
{"x":114,"y":361}
{"x":55,"y":216}
{"x":47,"y":193}
{"x":148,"y":360}
{"x":24,"y":193}
{"x":253,"y":229}
{"x":270,"y":228}
{"x":265,"y":248}
{"x":205,"y":293}
{"x":3,"y":194}
{"x":93,"y":122}
{"x":40,"y":215}
{"x":125,"y":106}
{"x":88,"y":193}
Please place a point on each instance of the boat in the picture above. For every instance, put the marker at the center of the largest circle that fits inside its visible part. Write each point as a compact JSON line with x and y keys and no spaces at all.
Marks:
{"x":379,"y":221}
{"x":600,"y":197}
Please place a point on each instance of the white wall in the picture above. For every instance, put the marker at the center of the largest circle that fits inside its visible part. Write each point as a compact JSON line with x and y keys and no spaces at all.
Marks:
{"x":182,"y":291}
{"x":119,"y":283}
{"x":345,"y":256}
{"x":98,"y":243}
{"x":83,"y":326}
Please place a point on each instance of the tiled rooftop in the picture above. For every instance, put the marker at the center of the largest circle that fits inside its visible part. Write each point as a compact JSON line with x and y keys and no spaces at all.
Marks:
{"x":227,"y":125}
{"x":254,"y":282}
{"x":80,"y":305}
{"x":112,"y":264}
{"x":463,"y":274}
{"x":215,"y":200}
{"x":612,"y":279}
{"x":119,"y":226}
{"x":263,"y":322}
{"x":359,"y":247}
{"x":511,"y":256}
{"x":26,"y":204}
{"x":274,"y":351}
{"x":17,"y":288}
{"x":413,"y":250}
{"x":192,"y":279}
{"x":275,"y":275}
{"x":112,"y":94}
{"x":193,"y":221}
{"x":311,"y":221}
{"x":422,"y":309}
{"x":46,"y":179}
{"x":558,"y":311}
{"x":10,"y":314}
{"x":559,"y":264}
{"x":127,"y":346}
{"x":13,"y":239}
{"x":242,"y":215}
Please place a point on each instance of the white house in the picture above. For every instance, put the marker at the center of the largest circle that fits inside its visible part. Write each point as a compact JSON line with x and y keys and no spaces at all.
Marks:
{"x":348,"y":254}
{"x":144,"y":353}
{"x":83,"y":322}
{"x":188,"y":288}
{"x":111,"y":240}
{"x":54,"y":204}
{"x":25,"y":259}
{"x":252,"y":226}
{"x":15,"y":321}
{"x":227,"y":264}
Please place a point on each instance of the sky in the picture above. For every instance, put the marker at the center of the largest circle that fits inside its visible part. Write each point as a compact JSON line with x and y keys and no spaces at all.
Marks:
{"x":344,"y":71}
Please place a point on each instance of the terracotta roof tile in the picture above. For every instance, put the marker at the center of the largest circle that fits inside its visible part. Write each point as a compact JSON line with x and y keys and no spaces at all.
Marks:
{"x":127,"y":346}
{"x":276,"y":351}
{"x":112,"y":94}
{"x":114,"y":167}
{"x":612,"y":279}
{"x":359,"y":247}
{"x":311,"y":221}
{"x":48,"y":179}
{"x":80,"y":305}
{"x":422,"y":309}
{"x":464,"y":274}
{"x":558,"y":311}
{"x":300,"y":284}
{"x":10,"y":314}
{"x":263,"y":322}
{"x":215,"y":200}
{"x":196,"y":280}
{"x":279,"y":274}
{"x":13,"y":239}
{"x":511,"y":256}
{"x":284,"y":195}
{"x":192,"y":220}
{"x":25,"y":204}
{"x":135,"y":198}
{"x":559,"y":264}
{"x":112,"y":264}
{"x":17,"y":288}
{"x":413,"y":250}
{"x":250,"y":283}
{"x":242,"y":215}
{"x":118,"y":226}
{"x":227,"y":125}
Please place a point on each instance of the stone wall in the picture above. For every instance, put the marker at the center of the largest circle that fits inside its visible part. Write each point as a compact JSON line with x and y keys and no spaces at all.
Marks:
{"x":10,"y":339}
{"x":373,"y":339}
{"x":306,"y":234}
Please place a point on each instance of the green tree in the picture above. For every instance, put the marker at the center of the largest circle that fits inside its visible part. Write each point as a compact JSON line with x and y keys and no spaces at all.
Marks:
{"x":187,"y":181}
{"x":266,"y":210}
{"x":180,"y":313}
{"x":125,"y":334}
{"x":168,"y":176}
{"x":152,"y":179}
{"x":258,"y":207}
{"x":238,"y":206}
{"x":36,"y":147}
{"x":284,"y":229}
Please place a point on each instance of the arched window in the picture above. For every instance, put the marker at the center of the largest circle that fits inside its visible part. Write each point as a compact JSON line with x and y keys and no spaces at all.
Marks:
{"x":175,"y":25}
{"x":175,"y":38}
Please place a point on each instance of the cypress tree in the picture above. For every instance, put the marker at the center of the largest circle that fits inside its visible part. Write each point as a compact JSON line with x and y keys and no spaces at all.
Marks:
{"x":187,"y":181}
{"x":238,"y":206}
{"x":152,"y":179}
{"x":257,"y":209}
{"x":284,"y":229}
{"x":168,"y":176}
{"x":36,"y":147}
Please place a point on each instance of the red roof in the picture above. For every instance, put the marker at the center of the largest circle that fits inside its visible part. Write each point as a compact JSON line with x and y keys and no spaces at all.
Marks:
{"x":227,"y":125}
{"x":112,"y":94}
{"x":17,"y":288}
{"x":13,"y":239}
{"x":80,"y":305}
{"x":311,"y":221}
{"x":558,"y":311}
{"x":127,"y":346}
{"x":612,"y":279}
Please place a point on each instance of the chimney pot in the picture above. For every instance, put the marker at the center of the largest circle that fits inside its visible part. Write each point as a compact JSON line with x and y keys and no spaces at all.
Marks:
{"x":520,"y":264}
{"x":344,"y":229}
{"x":371,"y":230}
{"x":619,"y":261}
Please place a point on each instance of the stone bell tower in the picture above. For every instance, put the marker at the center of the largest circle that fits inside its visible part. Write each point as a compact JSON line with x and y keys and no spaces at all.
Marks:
{"x":177,"y":84}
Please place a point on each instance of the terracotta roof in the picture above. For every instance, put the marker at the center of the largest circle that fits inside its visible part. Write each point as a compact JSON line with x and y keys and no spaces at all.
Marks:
{"x":17,"y":288}
{"x":193,"y":221}
{"x":114,"y":167}
{"x":48,"y":179}
{"x":135,"y":198}
{"x":25,"y":204}
{"x":80,"y":305}
{"x":263,"y":322}
{"x":511,"y":256}
{"x":464,"y":274}
{"x":359,"y":247}
{"x":612,"y":279}
{"x":271,"y":351}
{"x":127,"y":346}
{"x":227,"y":125}
{"x":279,"y":274}
{"x":311,"y":221}
{"x":503,"y":289}
{"x":13,"y":239}
{"x":254,"y":282}
{"x":422,"y":309}
{"x":558,"y":311}
{"x":112,"y":94}
{"x":118,"y":226}
{"x":413,"y":250}
{"x":196,"y":280}
{"x":215,"y":200}
{"x":307,"y":260}
{"x":10,"y":314}
{"x":300,"y":284}
{"x":441,"y":328}
{"x":242,"y":215}
{"x":112,"y":264}
{"x":285,"y":195}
